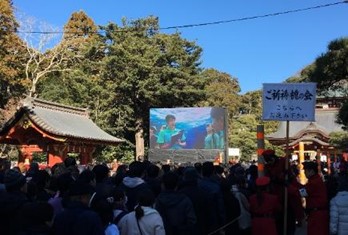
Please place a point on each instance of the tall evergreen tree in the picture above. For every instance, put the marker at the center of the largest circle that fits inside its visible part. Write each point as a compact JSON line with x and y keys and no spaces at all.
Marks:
{"x":330,"y":72}
{"x":80,"y":32}
{"x":85,"y":53}
{"x":221,"y":90}
{"x":330,"y":69}
{"x":80,"y":26}
{"x":145,"y":69}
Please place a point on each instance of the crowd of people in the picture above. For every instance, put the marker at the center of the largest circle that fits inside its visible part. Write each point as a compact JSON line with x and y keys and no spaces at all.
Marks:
{"x":146,"y":198}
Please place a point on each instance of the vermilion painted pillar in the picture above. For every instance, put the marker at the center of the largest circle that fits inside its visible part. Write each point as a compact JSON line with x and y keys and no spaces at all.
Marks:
{"x":260,"y":148}
{"x":85,"y":158}
{"x":86,"y":154}
{"x":53,"y":159}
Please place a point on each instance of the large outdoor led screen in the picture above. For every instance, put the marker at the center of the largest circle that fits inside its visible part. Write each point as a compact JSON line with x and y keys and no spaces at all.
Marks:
{"x":187,"y":128}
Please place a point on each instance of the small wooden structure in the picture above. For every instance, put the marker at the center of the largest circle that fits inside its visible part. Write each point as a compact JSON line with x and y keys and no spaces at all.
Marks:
{"x":55,"y":129}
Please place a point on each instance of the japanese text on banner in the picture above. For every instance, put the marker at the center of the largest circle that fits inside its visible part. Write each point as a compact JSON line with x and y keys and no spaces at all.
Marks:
{"x":289,"y":102}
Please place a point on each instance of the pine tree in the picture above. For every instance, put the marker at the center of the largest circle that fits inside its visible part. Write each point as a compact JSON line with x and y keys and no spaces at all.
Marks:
{"x":84,"y":52}
{"x":221,"y":90}
{"x":80,"y":25}
{"x":79,"y":31}
{"x":145,"y":69}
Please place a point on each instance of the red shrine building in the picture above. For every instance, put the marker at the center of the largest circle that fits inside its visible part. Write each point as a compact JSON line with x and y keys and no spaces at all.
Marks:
{"x":41,"y":126}
{"x":314,"y":135}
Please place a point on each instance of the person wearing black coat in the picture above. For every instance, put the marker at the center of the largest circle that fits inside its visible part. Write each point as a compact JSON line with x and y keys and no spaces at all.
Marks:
{"x":77,"y":218}
{"x":12,"y":201}
{"x":175,"y":208}
{"x":212,"y":189}
{"x":36,"y":218}
{"x":153,"y":180}
{"x":199,"y":199}
{"x":232,"y":209}
{"x":133,"y":184}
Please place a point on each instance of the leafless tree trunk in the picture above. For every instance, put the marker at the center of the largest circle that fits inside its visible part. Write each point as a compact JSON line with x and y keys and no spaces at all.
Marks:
{"x":139,"y":140}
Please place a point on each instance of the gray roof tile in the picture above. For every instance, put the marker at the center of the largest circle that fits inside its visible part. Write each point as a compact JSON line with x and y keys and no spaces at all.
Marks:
{"x":64,"y":121}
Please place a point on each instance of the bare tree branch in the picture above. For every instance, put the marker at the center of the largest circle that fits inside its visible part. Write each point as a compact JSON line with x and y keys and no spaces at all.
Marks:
{"x":42,"y":59}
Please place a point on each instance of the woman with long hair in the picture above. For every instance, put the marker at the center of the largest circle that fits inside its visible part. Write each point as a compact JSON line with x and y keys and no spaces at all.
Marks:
{"x":144,"y":220}
{"x":264,"y":208}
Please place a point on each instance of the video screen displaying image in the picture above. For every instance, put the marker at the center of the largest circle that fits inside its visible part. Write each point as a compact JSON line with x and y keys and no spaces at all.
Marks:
{"x":187,"y":128}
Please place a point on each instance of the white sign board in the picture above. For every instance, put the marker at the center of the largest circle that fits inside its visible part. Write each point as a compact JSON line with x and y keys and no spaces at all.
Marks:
{"x":289,"y":101}
{"x":233,"y":152}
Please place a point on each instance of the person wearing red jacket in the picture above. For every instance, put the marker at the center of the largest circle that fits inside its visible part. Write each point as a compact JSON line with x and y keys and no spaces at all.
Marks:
{"x":275,"y":169}
{"x":264,"y":208}
{"x":317,"y":204}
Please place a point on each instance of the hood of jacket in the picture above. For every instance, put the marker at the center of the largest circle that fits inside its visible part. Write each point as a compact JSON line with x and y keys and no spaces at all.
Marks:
{"x":148,"y":210}
{"x":171,"y":198}
{"x":342,"y":199}
{"x":132,"y":182}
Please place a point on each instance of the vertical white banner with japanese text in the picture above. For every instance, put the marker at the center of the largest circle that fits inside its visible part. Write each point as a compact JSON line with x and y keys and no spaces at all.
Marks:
{"x":289,"y":101}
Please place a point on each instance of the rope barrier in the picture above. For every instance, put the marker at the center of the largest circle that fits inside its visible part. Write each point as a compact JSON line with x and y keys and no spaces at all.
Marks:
{"x":226,"y":225}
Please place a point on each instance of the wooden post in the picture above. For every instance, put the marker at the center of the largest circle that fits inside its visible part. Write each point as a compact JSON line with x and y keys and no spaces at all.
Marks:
{"x":318,"y":156}
{"x":260,"y":148}
{"x":54,"y":155}
{"x":287,"y":152}
{"x":328,"y":157}
{"x":85,"y":158}
{"x":86,"y":155}
{"x":301,"y":159}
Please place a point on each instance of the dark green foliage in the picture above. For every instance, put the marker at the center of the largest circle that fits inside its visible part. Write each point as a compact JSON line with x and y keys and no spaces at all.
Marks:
{"x":342,"y":117}
{"x":120,"y":74}
{"x":296,"y":79}
{"x":251,"y":103}
{"x":330,"y":70}
{"x":221,"y":90}
{"x":243,"y":135}
{"x":39,"y":157}
{"x":144,"y":69}
{"x":339,"y":139}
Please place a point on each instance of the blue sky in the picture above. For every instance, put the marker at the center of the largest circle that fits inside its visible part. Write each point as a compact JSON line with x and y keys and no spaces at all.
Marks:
{"x":257,"y":51}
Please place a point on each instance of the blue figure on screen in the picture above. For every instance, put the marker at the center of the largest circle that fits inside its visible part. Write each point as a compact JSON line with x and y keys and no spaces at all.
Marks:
{"x":218,"y":122}
{"x":170,"y":137}
{"x":212,"y":139}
